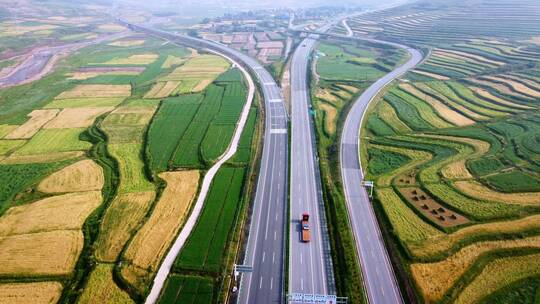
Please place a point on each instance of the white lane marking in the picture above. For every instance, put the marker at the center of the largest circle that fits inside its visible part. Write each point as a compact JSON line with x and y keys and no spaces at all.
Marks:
{"x":278,"y":131}
{"x":275,"y":235}
{"x":302,"y":283}
{"x":269,"y":83}
{"x":271,"y":282}
{"x":275,"y":100}
{"x":273,"y":257}
{"x":264,"y":255}
{"x":301,"y":259}
{"x":260,"y":283}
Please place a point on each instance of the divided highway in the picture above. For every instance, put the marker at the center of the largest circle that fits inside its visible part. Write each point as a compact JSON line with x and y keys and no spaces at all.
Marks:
{"x":265,"y":249}
{"x":379,"y":279}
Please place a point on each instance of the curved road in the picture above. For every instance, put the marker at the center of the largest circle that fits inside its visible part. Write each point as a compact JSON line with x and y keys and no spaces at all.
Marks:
{"x":265,"y":249}
{"x":379,"y":278}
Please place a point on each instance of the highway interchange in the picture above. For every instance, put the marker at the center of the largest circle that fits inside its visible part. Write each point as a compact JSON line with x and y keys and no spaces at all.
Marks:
{"x":310,"y":265}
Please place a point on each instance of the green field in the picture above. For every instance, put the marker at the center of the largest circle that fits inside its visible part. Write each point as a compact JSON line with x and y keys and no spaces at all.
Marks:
{"x":181,"y":289}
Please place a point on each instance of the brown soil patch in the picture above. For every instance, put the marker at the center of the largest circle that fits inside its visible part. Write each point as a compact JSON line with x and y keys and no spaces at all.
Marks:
{"x":43,"y":253}
{"x":151,"y":242}
{"x":97,"y":90}
{"x":37,"y":119}
{"x":120,"y":220}
{"x":162,"y":89}
{"x":437,"y":213}
{"x":202,"y":85}
{"x":41,"y":158}
{"x":76,"y":117}
{"x":444,"y":111}
{"x":407,"y":178}
{"x":476,"y":189}
{"x":84,"y":175}
{"x":434,"y":279}
{"x":68,"y":211}
{"x":35,"y":293}
{"x":487,"y":95}
{"x":432,"y":75}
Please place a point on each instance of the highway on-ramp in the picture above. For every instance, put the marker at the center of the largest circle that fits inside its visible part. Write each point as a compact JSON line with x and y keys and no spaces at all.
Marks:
{"x":379,"y":279}
{"x":265,"y":249}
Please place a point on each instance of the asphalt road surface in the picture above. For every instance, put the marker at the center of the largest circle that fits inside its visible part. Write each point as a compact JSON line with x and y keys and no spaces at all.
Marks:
{"x":265,"y":249}
{"x":310,"y":263}
{"x":378,"y":275}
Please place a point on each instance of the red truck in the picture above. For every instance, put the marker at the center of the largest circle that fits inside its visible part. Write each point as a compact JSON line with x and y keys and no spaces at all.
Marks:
{"x":305,"y":228}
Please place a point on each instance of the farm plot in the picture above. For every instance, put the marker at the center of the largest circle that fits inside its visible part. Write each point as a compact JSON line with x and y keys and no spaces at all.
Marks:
{"x":76,"y":118}
{"x":206,"y":245}
{"x":96,"y":91}
{"x":84,"y":175}
{"x":68,"y":211}
{"x":36,"y":292}
{"x":187,"y":289}
{"x":149,"y":245}
{"x":120,"y":221}
{"x":127,"y":124}
{"x":201,"y":69}
{"x":102,"y":288}
{"x":55,"y":140}
{"x":132,"y":175}
{"x":337,"y":63}
{"x":38,"y":118}
{"x":163,"y":89}
{"x":137,"y":59}
{"x":41,"y":253}
{"x":84,"y":103}
{"x":434,"y":279}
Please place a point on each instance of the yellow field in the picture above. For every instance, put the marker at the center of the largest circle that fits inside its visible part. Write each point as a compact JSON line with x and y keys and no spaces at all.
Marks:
{"x":500,"y":273}
{"x":199,"y":67}
{"x":111,"y":27}
{"x":8,"y":146}
{"x":518,"y":87}
{"x":434,"y":279}
{"x":43,"y":253}
{"x":68,"y":211}
{"x":498,"y":87}
{"x":6,"y":129}
{"x":432,"y":75}
{"x":139,"y":59}
{"x":172,"y":61}
{"x":162,"y":89}
{"x":444,"y":111}
{"x":84,"y":175}
{"x":17,"y":30}
{"x":389,"y":115}
{"x":476,"y":189}
{"x":127,"y":43}
{"x":88,"y":75}
{"x":326,"y":95}
{"x":101,"y":288}
{"x":37,"y":119}
{"x":97,"y":90}
{"x":202,"y":85}
{"x":488,"y":95}
{"x":35,"y":293}
{"x":123,"y":215}
{"x":444,"y":242}
{"x":151,"y":242}
{"x":41,"y":158}
{"x":329,"y":117}
{"x":76,"y":117}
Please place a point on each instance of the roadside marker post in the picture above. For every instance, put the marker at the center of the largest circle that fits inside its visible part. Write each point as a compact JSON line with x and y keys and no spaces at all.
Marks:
{"x":237,"y":270}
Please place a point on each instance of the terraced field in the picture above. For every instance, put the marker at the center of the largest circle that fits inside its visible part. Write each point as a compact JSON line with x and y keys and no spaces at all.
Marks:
{"x":453,"y":150}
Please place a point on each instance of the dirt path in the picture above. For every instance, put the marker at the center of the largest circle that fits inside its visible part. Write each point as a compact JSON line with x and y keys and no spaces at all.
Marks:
{"x":41,"y":61}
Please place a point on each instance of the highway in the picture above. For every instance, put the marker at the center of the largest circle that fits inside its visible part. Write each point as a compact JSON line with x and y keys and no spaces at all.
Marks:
{"x":310,"y":264}
{"x":265,"y":248}
{"x":379,"y":278}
